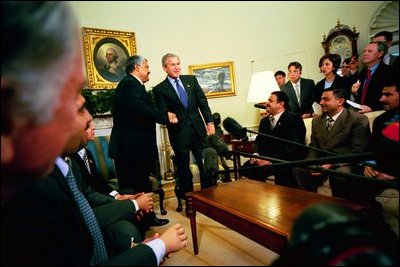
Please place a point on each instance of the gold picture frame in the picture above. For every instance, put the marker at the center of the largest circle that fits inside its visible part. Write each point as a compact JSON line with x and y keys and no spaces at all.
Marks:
{"x":215,"y":79}
{"x":106,"y":52}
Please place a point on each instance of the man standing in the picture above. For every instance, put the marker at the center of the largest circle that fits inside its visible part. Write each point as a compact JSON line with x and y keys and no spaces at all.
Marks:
{"x":133,"y":137}
{"x":369,"y":89}
{"x":280,"y":78}
{"x":183,"y":95}
{"x":281,"y":123}
{"x":387,"y":38}
{"x":300,"y":91}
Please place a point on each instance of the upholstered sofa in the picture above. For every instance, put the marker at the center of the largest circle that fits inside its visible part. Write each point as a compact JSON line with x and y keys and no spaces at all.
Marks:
{"x":106,"y":168}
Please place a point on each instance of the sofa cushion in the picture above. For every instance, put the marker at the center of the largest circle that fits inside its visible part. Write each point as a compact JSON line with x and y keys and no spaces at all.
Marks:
{"x":104,"y":164}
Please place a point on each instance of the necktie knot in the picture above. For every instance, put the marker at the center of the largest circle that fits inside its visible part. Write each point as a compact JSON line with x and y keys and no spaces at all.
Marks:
{"x":329,"y":123}
{"x":181,"y":93}
{"x":272,"y":120}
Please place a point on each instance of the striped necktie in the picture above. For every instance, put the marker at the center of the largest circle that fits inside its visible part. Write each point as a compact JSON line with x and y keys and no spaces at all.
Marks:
{"x":272,"y":121}
{"x":86,"y":160}
{"x":99,"y":251}
{"x":329,"y":123}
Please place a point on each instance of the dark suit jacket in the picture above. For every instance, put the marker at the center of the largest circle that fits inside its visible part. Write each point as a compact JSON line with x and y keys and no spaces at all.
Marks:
{"x":42,"y":225}
{"x":106,"y":208}
{"x":349,"y":134}
{"x":338,"y":82}
{"x":382,"y":73}
{"x":290,"y":126}
{"x":93,"y":179}
{"x":168,"y":100}
{"x":386,"y":151}
{"x":306,"y":96}
{"x":133,"y":134}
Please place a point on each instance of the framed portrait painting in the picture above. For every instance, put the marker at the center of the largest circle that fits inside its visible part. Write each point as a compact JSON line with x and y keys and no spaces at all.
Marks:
{"x":106,"y":52}
{"x":215,"y":79}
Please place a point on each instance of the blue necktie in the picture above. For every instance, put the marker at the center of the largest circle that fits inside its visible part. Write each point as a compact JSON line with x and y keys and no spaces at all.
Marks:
{"x":182,"y":93}
{"x":100,"y":252}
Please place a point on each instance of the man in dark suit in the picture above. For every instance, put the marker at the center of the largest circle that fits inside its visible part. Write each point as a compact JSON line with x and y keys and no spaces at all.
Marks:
{"x":182,"y":95}
{"x":340,"y":131}
{"x":45,"y":224}
{"x":281,"y":123}
{"x":300,"y":91}
{"x":133,"y":137}
{"x":386,"y":148}
{"x":387,"y":38}
{"x":116,"y":219}
{"x":373,"y":77}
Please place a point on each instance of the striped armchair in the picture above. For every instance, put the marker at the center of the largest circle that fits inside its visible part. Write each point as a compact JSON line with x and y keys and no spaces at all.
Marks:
{"x":105,"y":167}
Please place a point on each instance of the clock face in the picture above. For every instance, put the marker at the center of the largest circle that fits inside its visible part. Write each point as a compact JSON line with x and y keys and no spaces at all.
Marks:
{"x":341,"y":45}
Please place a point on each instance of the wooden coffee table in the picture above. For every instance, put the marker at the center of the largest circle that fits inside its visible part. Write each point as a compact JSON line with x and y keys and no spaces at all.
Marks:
{"x":263,"y":212}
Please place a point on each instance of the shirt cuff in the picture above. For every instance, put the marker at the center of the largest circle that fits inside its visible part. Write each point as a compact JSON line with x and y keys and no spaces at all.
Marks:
{"x":113,"y":193}
{"x":158,"y":247}
{"x":136,"y":205}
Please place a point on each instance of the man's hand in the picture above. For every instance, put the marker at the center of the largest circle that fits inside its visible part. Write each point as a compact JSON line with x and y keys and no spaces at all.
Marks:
{"x":174,"y":239}
{"x":210,"y":128}
{"x":364,"y":109}
{"x":145,"y":202}
{"x":370,"y":172}
{"x":172,"y":117}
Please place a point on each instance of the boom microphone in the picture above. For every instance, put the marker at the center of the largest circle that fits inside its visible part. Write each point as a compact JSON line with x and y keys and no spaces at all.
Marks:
{"x":234,"y":128}
{"x":210,"y":164}
{"x":219,"y":145}
{"x":239,"y":132}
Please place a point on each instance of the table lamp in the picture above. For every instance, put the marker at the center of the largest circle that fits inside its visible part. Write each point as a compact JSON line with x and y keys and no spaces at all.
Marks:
{"x":262,"y":84}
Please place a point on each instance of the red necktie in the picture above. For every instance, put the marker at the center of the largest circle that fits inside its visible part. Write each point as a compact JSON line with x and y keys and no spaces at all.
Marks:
{"x":365,"y":88}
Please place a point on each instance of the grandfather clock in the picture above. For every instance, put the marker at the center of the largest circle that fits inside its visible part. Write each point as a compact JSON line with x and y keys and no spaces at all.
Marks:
{"x":341,"y":40}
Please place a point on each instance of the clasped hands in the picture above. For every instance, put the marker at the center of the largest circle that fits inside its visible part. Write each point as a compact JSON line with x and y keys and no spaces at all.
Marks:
{"x":172,"y":117}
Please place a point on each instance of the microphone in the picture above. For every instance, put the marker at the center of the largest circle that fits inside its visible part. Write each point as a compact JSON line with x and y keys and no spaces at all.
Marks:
{"x":210,"y":164}
{"x":219,"y":145}
{"x":239,"y":132}
{"x":234,"y":128}
{"x":260,"y":105}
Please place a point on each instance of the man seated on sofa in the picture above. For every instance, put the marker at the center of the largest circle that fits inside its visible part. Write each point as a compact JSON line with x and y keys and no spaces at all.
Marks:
{"x":114,"y":217}
{"x":386,"y":148}
{"x":284,"y":124}
{"x":342,"y":131}
{"x":92,"y":178}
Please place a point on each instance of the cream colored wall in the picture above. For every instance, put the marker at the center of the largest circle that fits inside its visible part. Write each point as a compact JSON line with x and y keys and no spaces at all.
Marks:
{"x":243,"y":32}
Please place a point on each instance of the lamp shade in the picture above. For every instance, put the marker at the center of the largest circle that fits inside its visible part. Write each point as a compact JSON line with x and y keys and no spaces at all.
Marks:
{"x":262,"y":84}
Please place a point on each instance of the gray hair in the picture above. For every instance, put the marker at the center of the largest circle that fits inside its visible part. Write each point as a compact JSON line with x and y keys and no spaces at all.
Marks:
{"x":39,"y":40}
{"x":381,"y":47}
{"x":132,"y":61}
{"x":166,"y":57}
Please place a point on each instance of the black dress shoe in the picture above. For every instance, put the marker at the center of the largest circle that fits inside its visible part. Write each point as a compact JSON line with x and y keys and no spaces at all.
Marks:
{"x":158,"y":222}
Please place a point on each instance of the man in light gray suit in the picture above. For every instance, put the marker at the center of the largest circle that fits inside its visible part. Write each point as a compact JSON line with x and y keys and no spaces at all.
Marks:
{"x":300,"y":91}
{"x":340,"y":131}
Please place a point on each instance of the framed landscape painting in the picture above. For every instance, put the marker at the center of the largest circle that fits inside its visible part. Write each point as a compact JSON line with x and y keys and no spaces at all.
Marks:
{"x":215,"y":79}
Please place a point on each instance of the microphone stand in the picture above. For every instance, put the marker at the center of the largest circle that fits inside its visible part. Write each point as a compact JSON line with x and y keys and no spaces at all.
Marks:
{"x":337,"y":158}
{"x":291,"y":142}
